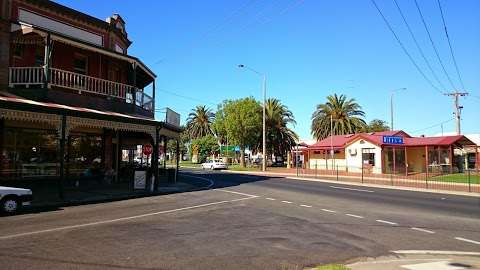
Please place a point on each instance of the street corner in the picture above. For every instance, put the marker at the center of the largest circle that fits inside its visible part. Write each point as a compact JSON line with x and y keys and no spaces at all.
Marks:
{"x":420,"y":260}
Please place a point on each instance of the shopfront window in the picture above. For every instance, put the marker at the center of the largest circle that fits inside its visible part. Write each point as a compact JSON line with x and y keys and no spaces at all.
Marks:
{"x":29,"y":153}
{"x":85,"y":156}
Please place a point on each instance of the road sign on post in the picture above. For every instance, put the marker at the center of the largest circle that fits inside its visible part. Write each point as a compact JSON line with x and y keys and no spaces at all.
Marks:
{"x":147,"y":149}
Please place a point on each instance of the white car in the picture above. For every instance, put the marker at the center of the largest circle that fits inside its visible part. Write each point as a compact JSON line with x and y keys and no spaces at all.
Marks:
{"x":13,"y":199}
{"x":214,"y":164}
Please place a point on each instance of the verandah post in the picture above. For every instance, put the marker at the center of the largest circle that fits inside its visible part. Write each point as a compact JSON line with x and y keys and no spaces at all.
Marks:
{"x":62,"y":156}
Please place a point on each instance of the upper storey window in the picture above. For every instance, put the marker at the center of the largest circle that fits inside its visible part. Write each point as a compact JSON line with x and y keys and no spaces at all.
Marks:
{"x":80,"y":64}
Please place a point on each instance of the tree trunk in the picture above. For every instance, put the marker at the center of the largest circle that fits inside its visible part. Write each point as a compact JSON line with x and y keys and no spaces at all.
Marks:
{"x":242,"y":157}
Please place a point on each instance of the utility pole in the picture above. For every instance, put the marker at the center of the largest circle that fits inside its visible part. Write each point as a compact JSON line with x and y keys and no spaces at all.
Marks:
{"x":457,"y":108}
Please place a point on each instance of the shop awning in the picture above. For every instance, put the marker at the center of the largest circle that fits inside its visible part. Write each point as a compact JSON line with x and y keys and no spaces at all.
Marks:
{"x":15,"y":108}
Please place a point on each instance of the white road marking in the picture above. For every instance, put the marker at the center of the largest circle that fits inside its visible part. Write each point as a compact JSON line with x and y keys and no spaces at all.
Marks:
{"x":328,"y":210}
{"x":354,"y":189}
{"x":286,"y":202}
{"x":467,"y":240}
{"x":386,"y":222}
{"x":238,"y":193}
{"x":211,"y":183}
{"x":119,"y":219}
{"x":438,"y":265}
{"x":352,"y":215}
{"x":305,"y":205}
{"x":422,"y":230}
{"x":270,"y":199}
{"x":436,"y":252}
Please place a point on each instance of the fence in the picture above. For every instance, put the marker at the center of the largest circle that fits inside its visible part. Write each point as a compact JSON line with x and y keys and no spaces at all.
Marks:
{"x":467,"y":180}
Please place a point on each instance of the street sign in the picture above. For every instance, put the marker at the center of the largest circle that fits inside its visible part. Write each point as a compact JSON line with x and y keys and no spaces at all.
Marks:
{"x":392,"y":139}
{"x":147,"y":149}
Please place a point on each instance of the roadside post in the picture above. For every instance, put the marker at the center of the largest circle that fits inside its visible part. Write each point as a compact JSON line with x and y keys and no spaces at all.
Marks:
{"x":469,"y":181}
{"x":337,"y":172}
{"x":315,"y":169}
{"x":362,"y":173}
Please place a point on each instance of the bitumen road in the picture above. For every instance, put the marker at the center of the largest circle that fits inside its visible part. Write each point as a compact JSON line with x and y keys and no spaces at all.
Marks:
{"x":241,"y":222}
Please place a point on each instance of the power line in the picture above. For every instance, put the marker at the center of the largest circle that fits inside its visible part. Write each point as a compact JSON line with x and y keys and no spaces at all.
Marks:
{"x":418,"y":46}
{"x":404,"y":49}
{"x":433,"y":45}
{"x":186,"y":97}
{"x":450,"y":45}
{"x":432,"y":126}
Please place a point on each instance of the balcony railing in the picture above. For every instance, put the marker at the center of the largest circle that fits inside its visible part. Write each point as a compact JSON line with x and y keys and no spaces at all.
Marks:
{"x":27,"y":76}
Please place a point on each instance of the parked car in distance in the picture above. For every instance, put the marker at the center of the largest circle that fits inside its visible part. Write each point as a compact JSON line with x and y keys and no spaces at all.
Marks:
{"x":13,"y":199}
{"x":214,"y":164}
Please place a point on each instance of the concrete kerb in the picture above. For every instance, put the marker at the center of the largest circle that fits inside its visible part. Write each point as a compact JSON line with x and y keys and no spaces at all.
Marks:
{"x":294,"y":177}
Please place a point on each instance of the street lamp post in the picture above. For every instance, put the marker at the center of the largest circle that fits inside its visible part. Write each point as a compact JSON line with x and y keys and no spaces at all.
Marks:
{"x":264,"y":136}
{"x":391,"y":104}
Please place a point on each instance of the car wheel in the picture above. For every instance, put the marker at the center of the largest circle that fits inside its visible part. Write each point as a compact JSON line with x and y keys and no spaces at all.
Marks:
{"x":10,"y":205}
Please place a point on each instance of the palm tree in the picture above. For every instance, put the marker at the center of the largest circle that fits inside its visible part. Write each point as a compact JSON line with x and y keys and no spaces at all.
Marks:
{"x":199,"y":122}
{"x":280,"y":138}
{"x":347,"y":116}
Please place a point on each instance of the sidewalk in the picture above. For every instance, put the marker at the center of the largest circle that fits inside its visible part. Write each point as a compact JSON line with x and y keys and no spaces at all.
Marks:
{"x":419,"y":262}
{"x":347,"y":181}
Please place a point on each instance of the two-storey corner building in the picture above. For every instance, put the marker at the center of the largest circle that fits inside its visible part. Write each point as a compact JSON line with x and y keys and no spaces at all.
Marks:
{"x":74,"y":106}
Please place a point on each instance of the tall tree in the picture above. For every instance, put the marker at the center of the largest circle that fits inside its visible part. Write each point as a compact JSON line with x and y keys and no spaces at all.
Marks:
{"x":199,"y":122}
{"x":243,"y":123}
{"x":347,"y":116}
{"x":280,"y":138}
{"x":377,"y":125}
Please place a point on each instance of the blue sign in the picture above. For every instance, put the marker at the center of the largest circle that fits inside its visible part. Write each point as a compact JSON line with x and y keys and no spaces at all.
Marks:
{"x":392,"y":139}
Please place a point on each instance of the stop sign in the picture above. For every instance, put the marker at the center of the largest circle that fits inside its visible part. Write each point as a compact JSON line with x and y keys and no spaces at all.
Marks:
{"x":147,"y":149}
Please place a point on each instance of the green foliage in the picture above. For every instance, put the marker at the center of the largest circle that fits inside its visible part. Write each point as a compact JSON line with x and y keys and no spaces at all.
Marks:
{"x":206,"y":145}
{"x":280,"y":138}
{"x":347,"y":117}
{"x":377,"y":125}
{"x":199,"y":122}
{"x":242,"y":122}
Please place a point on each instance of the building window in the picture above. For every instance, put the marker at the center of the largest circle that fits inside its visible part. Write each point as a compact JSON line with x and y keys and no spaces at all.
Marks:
{"x":85,"y":156}
{"x":80,"y":64}
{"x":18,"y":50}
{"x":39,"y":56}
{"x":368,"y":156}
{"x":29,"y":153}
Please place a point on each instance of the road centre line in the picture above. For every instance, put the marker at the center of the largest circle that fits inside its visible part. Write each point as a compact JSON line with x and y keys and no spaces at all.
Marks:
{"x":238,"y":193}
{"x":352,"y":215}
{"x":119,"y":219}
{"x":467,"y":240}
{"x":354,"y":189}
{"x":386,"y":222}
{"x":286,"y":201}
{"x":305,"y":205}
{"x":328,"y":210}
{"x":421,"y":230}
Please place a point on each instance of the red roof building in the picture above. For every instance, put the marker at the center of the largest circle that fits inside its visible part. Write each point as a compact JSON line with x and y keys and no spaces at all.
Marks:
{"x":391,"y":151}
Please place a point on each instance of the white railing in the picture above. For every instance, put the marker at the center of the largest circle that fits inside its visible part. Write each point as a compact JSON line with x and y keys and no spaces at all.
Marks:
{"x":26,"y":76}
{"x":84,"y":83}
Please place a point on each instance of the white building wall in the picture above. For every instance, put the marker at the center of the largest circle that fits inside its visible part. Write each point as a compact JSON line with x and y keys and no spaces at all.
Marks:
{"x":353,"y":156}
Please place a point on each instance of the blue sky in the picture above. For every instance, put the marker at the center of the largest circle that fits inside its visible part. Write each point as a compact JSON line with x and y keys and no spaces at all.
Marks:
{"x":308,"y":49}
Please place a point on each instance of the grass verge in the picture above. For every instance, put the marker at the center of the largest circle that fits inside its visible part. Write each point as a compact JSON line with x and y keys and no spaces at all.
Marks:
{"x":332,"y":267}
{"x":457,"y":178}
